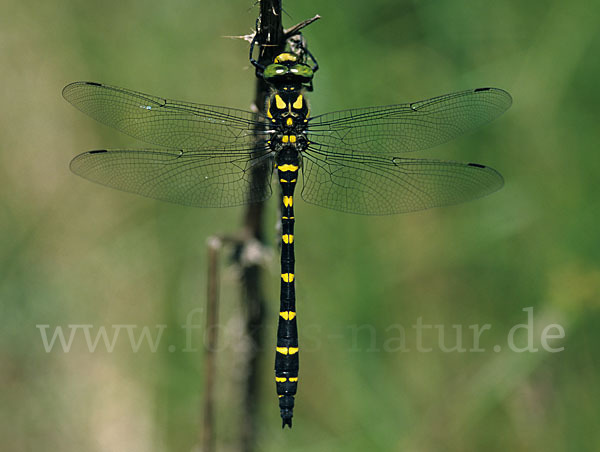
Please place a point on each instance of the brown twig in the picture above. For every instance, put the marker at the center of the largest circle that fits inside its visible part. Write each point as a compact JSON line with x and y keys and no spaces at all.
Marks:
{"x":270,"y":36}
{"x":271,"y":39}
{"x":210,"y":344}
{"x":292,"y":31}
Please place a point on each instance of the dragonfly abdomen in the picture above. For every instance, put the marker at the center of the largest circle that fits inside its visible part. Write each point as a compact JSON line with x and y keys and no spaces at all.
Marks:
{"x":286,"y":356}
{"x":287,"y":111}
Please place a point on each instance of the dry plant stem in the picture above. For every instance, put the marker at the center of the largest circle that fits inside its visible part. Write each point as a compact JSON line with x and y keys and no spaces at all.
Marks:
{"x":272,"y":39}
{"x":288,"y":33}
{"x":212,"y":318}
{"x":270,"y":34}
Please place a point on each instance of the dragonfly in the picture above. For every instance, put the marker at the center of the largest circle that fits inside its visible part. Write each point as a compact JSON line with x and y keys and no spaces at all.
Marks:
{"x":351,"y":161}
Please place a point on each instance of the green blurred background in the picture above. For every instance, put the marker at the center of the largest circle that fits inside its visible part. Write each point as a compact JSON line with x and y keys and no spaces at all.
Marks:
{"x":73,"y":252}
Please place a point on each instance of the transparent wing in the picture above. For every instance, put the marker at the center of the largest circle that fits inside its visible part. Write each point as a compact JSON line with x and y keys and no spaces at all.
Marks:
{"x":164,"y":122}
{"x":192,"y":178}
{"x":408,"y":127}
{"x":388,"y":185}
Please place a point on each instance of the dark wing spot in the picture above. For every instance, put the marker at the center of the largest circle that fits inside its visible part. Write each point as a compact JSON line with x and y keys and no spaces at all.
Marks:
{"x":93,"y":83}
{"x":98,"y":152}
{"x":476,"y":90}
{"x":476,"y":165}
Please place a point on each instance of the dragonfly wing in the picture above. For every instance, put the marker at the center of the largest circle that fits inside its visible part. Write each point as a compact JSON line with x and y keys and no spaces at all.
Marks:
{"x":164,"y":122}
{"x":408,"y":127}
{"x":389,"y":185}
{"x":192,"y":178}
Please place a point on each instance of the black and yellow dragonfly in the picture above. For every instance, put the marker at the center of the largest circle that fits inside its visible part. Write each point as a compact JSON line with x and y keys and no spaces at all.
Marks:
{"x":348,"y":160}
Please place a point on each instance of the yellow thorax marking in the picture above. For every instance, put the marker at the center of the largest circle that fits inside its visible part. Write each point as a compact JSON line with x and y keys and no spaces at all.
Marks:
{"x":269,"y":115}
{"x":293,"y":350}
{"x":292,"y":138}
{"x":282,"y":350}
{"x":293,"y":379}
{"x":287,"y":167}
{"x":287,"y":315}
{"x":288,"y":201}
{"x":289,"y":121}
{"x":298,"y":104}
{"x":279,"y":102}
{"x":285,"y":138}
{"x":288,"y":238}
{"x":287,"y":277}
{"x":280,"y":379}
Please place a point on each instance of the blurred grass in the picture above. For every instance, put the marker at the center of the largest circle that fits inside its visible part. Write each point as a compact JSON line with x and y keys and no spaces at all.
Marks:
{"x":76,"y":253}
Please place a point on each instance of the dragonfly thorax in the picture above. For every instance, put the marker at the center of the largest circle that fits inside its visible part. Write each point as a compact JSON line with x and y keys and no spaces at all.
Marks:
{"x":288,"y":110}
{"x":288,"y":113}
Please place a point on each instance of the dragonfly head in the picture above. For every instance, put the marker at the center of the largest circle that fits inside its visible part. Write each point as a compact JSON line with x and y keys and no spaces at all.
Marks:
{"x":287,"y":69}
